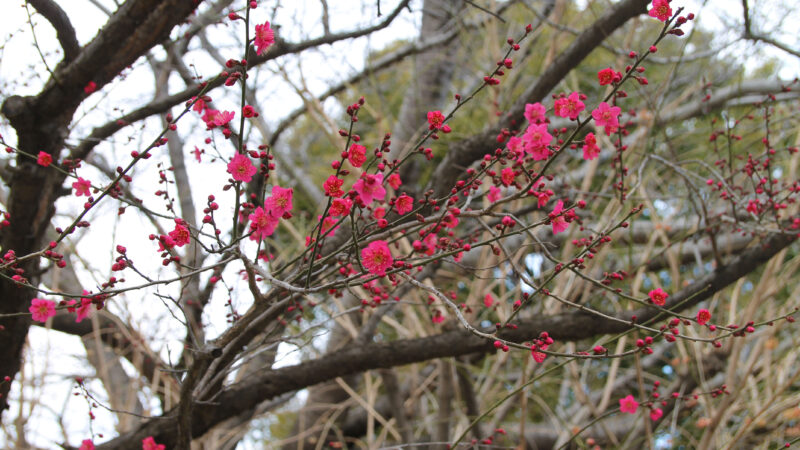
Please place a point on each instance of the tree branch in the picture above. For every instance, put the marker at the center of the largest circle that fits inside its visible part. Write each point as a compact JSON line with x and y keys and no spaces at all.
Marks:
{"x":463,"y":153}
{"x":721,"y":97}
{"x":749,"y":34}
{"x":42,"y":123}
{"x":570,"y":326}
{"x":280,"y":48}
{"x":60,"y":21}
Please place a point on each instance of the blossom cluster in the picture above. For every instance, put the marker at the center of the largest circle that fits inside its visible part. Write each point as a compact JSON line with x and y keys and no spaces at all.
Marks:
{"x":264,"y":220}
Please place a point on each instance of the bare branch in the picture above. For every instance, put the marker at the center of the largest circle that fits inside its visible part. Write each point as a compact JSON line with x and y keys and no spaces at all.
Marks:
{"x":721,"y":97}
{"x":749,"y":34}
{"x":60,"y":21}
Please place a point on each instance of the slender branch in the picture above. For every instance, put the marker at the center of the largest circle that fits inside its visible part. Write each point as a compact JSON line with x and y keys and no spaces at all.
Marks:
{"x":462,"y":154}
{"x":570,"y":326}
{"x":60,"y":21}
{"x":749,"y":34}
{"x":280,"y":48}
